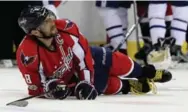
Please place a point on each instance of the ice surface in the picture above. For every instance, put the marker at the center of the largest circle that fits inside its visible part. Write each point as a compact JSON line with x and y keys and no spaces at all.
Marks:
{"x":171,"y":97}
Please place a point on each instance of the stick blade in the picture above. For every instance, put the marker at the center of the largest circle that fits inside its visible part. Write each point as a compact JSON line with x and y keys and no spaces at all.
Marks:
{"x":18,"y":103}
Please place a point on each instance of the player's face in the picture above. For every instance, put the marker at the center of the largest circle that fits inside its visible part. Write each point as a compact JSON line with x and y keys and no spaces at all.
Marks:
{"x":48,"y":27}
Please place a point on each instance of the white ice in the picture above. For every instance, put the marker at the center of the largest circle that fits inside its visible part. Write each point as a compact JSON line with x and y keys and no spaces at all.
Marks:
{"x":171,"y":97}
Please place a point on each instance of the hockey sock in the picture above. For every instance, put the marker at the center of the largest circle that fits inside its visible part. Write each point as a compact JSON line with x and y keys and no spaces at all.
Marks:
{"x":156,"y":14}
{"x":113,"y":24}
{"x":179,"y":24}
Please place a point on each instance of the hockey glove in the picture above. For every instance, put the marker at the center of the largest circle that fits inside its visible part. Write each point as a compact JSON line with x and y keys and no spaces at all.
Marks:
{"x":58,"y":88}
{"x":84,"y":90}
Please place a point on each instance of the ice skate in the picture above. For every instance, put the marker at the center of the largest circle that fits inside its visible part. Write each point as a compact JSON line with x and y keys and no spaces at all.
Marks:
{"x":162,"y":76}
{"x":140,"y":86}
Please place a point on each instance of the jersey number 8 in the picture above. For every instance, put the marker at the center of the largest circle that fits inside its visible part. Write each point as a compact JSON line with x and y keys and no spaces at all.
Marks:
{"x":28,"y":78}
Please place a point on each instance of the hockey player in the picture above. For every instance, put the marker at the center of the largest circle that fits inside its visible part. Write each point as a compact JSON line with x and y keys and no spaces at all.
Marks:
{"x":51,"y":52}
{"x":115,"y":18}
{"x":157,"y":10}
{"x":54,"y":51}
{"x":142,"y":10}
{"x":7,"y":59}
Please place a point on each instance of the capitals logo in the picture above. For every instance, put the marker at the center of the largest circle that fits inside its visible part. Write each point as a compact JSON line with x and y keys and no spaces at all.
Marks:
{"x":26,"y":60}
{"x":68,"y":25}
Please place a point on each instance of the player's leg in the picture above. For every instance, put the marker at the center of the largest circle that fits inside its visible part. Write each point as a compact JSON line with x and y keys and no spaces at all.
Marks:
{"x":105,"y":72}
{"x":156,"y":14}
{"x":112,"y":18}
{"x":116,"y":85}
{"x":124,"y":67}
{"x":179,"y":27}
{"x":143,"y":8}
{"x":142,"y":12}
{"x":187,"y":37}
{"x":159,"y":54}
{"x":168,"y":19}
{"x":123,"y":14}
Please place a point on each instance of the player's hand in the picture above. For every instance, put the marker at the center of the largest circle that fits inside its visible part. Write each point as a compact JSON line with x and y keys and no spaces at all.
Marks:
{"x":60,"y":90}
{"x":84,"y":90}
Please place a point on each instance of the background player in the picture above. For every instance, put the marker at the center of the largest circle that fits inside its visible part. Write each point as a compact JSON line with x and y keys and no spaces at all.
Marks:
{"x":115,"y":18}
{"x":142,"y":12}
{"x":157,"y":10}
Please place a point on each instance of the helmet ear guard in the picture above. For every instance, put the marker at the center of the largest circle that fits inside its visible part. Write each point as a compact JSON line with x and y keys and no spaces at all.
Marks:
{"x":32,"y":17}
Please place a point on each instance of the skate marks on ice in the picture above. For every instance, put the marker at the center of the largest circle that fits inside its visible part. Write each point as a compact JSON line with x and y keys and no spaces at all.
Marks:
{"x":171,"y":89}
{"x":176,"y":65}
{"x":170,"y":96}
{"x":177,"y":84}
{"x":164,"y":99}
{"x":142,"y":100}
{"x":19,"y":109}
{"x":131,"y":103}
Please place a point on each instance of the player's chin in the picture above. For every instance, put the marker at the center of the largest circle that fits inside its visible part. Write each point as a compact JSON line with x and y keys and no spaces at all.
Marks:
{"x":54,"y":32}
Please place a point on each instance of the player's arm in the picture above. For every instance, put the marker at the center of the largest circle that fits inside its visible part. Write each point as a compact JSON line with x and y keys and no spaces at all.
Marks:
{"x":84,"y":60}
{"x":85,"y":70}
{"x":34,"y":75}
{"x":80,"y":48}
{"x":29,"y":70}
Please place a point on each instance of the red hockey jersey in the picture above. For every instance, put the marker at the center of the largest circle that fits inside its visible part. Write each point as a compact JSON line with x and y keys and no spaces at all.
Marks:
{"x":38,"y":64}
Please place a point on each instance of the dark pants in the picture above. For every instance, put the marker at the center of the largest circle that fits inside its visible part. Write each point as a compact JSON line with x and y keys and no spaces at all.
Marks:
{"x":113,"y":4}
{"x":175,"y":3}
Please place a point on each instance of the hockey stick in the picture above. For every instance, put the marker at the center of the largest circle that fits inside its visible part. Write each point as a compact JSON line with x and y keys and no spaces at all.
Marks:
{"x":128,"y":33}
{"x":23,"y":103}
{"x":126,"y":37}
{"x":134,"y":26}
{"x":135,"y":21}
{"x":64,"y":2}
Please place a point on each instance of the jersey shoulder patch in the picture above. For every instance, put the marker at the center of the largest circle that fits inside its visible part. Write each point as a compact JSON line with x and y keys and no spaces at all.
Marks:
{"x":27,"y":60}
{"x":68,"y":24}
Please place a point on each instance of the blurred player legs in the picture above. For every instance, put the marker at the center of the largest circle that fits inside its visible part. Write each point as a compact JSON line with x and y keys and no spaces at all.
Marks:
{"x":178,"y":28}
{"x":145,"y":28}
{"x":115,"y":18}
